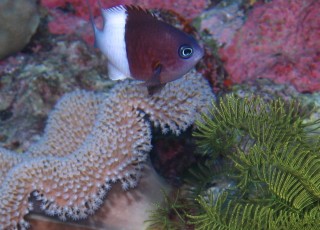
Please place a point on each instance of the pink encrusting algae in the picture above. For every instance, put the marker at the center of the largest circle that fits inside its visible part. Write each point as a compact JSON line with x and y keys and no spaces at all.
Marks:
{"x":280,"y":41}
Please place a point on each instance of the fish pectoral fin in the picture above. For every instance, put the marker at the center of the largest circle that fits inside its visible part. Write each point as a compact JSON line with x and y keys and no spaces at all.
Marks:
{"x":155,"y":78}
{"x":154,"y":84}
{"x":114,"y":73}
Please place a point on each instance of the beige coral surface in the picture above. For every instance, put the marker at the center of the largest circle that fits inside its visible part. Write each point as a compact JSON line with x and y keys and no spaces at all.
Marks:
{"x":91,"y":141}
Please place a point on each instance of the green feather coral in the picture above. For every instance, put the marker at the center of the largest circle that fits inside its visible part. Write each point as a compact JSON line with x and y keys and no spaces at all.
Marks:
{"x":270,"y":156}
{"x":277,"y":166}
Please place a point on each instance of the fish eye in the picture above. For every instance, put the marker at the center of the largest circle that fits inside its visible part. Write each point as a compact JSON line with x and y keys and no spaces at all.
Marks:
{"x":185,"y":51}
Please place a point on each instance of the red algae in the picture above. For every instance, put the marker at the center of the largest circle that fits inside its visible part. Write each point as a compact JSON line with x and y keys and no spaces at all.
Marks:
{"x":280,"y":41}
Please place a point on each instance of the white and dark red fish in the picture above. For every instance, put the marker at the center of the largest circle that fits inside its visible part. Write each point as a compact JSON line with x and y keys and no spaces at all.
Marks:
{"x":139,"y":46}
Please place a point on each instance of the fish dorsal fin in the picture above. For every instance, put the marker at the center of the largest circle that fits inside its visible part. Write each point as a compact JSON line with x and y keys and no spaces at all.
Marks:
{"x":139,"y":10}
{"x":115,"y":9}
{"x":136,"y":12}
{"x":112,"y":16}
{"x":132,"y":10}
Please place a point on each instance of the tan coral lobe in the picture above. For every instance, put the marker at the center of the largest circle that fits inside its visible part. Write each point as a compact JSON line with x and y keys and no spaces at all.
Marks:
{"x":91,"y":142}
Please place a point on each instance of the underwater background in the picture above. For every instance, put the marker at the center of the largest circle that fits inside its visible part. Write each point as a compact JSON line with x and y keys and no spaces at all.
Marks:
{"x":233,"y":144}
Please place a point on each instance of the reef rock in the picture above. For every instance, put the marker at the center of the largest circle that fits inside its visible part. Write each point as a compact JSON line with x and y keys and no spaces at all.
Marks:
{"x":222,"y":21}
{"x":19,"y":20}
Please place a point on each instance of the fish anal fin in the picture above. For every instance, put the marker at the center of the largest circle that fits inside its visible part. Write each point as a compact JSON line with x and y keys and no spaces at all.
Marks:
{"x":155,"y":89}
{"x":114,"y":73}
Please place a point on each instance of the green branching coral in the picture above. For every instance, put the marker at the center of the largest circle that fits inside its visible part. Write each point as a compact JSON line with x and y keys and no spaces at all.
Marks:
{"x":271,"y":157}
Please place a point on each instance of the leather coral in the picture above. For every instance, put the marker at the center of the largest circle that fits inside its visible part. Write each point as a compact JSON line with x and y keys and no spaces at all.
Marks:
{"x":91,"y":141}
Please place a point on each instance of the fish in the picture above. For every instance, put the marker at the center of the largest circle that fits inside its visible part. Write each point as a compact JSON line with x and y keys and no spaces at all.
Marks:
{"x":139,"y":46}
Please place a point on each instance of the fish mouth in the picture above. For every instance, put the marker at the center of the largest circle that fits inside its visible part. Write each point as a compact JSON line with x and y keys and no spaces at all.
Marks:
{"x":199,"y":53}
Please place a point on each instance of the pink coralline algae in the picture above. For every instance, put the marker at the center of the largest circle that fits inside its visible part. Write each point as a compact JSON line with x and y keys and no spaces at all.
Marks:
{"x":280,"y":41}
{"x":188,"y":9}
{"x":72,"y":16}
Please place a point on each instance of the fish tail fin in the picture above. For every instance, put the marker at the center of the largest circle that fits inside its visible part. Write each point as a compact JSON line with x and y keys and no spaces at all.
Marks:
{"x":94,"y":27}
{"x":100,"y":5}
{"x":102,"y":13}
